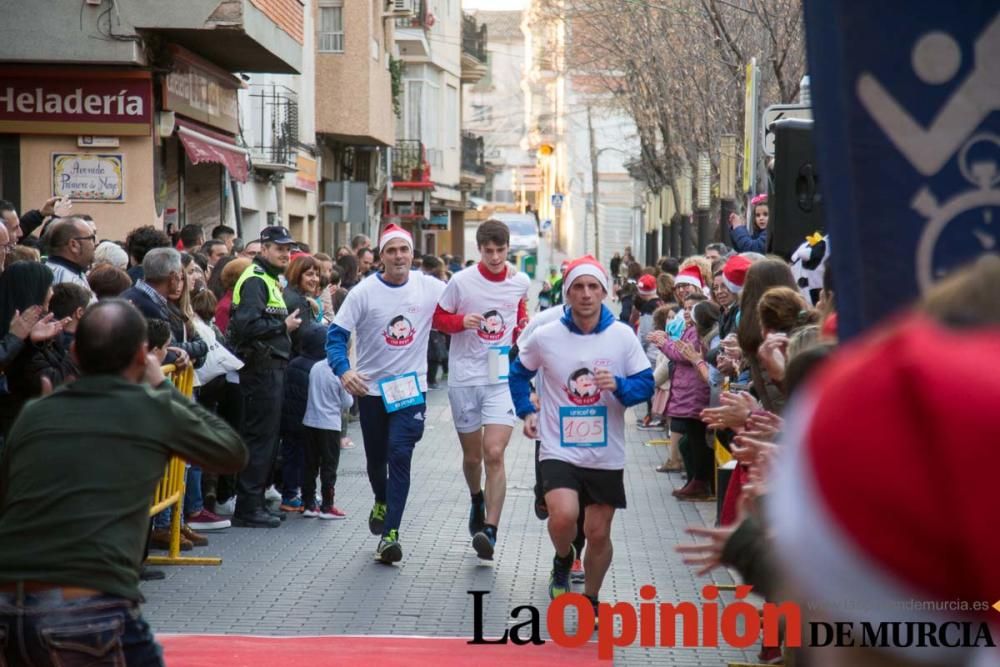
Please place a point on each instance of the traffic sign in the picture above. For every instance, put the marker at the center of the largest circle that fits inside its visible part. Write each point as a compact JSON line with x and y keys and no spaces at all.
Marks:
{"x":780,"y":112}
{"x":557,"y":200}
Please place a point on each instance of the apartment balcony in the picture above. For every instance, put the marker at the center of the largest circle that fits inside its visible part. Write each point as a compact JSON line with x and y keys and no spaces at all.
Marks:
{"x":411,"y":32}
{"x":473,"y":160}
{"x":474,"y":40}
{"x":238,"y":35}
{"x":273,"y":129}
{"x":410,"y":168}
{"x":473,"y":153}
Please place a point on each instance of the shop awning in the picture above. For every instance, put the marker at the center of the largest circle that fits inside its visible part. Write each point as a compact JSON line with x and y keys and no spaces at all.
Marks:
{"x":202,"y":145}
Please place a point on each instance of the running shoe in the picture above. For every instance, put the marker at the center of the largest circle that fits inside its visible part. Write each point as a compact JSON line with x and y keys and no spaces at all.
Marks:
{"x":389,"y":551}
{"x":291,"y":505}
{"x":652,"y":426}
{"x":559,"y":577}
{"x":576,"y":572}
{"x":541,"y":509}
{"x":330,"y":512}
{"x":477,"y":516}
{"x":484,"y":542}
{"x":272,"y":494}
{"x":376,"y":520}
{"x":228,"y":507}
{"x":205,"y":520}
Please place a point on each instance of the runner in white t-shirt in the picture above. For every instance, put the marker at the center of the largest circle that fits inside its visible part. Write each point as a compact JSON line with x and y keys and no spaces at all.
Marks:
{"x":483,"y":308}
{"x":593,"y":368}
{"x":390,"y":315}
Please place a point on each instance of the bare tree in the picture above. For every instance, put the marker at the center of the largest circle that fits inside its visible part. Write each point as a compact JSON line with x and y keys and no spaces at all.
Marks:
{"x":677,"y":67}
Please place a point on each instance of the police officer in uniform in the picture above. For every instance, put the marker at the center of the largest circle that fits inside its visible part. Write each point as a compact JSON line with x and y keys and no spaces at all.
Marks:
{"x":259,"y":331}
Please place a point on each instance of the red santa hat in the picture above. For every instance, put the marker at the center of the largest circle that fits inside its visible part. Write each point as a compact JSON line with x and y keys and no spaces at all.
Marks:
{"x":394,"y":232}
{"x":647,"y":286}
{"x":584,"y":266}
{"x":734,"y":273}
{"x":915,"y":408}
{"x":690,"y":276}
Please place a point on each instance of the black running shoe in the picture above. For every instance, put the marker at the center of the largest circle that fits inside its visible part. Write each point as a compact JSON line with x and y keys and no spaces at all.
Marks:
{"x":389,"y":551}
{"x":541,"y":510}
{"x":376,"y":519}
{"x":477,"y":516}
{"x":559,"y":577}
{"x":484,"y":543}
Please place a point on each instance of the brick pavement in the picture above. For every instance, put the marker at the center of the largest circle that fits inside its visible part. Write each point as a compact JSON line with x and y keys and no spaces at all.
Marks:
{"x":310,"y":577}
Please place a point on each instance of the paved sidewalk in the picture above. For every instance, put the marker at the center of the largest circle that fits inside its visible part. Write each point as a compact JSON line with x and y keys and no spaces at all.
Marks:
{"x":310,"y":577}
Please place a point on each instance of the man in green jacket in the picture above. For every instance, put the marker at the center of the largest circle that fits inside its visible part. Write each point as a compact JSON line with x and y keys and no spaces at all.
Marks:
{"x":77,"y":478}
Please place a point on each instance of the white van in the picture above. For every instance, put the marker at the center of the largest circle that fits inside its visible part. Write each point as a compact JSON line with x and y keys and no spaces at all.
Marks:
{"x":523,"y":232}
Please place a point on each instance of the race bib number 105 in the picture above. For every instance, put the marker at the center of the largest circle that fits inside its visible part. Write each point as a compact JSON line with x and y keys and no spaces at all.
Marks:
{"x":584,"y":426}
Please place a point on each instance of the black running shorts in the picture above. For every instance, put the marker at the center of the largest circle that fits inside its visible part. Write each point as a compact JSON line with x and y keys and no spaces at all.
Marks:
{"x":595,"y":486}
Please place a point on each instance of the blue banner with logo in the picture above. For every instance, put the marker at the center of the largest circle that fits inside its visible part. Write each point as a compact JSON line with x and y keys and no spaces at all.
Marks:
{"x":906,"y":98}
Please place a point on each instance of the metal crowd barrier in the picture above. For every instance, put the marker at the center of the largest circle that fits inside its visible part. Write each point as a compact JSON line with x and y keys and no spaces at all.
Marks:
{"x":170,"y":491}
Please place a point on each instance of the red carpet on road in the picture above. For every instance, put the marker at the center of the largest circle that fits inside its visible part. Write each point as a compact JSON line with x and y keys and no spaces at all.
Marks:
{"x":344,"y":651}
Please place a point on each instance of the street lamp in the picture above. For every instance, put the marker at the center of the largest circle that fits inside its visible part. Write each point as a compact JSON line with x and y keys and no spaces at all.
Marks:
{"x":595,"y":154}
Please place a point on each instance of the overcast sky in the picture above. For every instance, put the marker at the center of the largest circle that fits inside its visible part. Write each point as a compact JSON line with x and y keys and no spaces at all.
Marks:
{"x":494,"y":5}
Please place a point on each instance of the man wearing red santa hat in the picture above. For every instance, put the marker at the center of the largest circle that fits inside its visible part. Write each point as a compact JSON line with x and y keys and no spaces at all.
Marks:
{"x":390,"y":314}
{"x":593,"y":369}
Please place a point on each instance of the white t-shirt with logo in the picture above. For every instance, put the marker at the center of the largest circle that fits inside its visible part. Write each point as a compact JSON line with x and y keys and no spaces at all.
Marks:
{"x":470,"y":292}
{"x":391,"y":326}
{"x":589,"y":431}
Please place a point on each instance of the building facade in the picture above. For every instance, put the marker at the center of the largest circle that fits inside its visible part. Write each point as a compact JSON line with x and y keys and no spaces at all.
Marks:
{"x":355,"y":115}
{"x":427,"y":194}
{"x":576,"y":134}
{"x":278,"y":121}
{"x":494,"y":110}
{"x":132,"y":110}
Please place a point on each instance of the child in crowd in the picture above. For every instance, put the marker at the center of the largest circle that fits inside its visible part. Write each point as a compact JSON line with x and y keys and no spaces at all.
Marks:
{"x":293,"y":409}
{"x":322,"y":425}
{"x":661,"y":376}
{"x":68,"y":302}
{"x":158,"y":337}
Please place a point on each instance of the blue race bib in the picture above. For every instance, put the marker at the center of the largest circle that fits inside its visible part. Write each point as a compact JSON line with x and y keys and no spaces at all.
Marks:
{"x":584,"y":426}
{"x":400,"y":391}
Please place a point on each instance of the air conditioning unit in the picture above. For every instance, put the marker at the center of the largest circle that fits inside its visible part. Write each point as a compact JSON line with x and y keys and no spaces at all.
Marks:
{"x":400,"y":9}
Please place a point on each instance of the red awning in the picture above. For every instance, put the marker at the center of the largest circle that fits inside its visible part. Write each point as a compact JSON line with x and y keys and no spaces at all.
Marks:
{"x":203,"y":145}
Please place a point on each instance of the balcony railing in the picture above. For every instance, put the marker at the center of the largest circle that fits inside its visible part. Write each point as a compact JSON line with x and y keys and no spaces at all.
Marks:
{"x":273,"y":132}
{"x":473,"y":153}
{"x":473,"y":38}
{"x":419,"y":18}
{"x":409,"y":164}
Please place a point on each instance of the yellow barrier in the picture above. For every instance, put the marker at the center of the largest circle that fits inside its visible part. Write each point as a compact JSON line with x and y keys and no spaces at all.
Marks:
{"x":170,"y":491}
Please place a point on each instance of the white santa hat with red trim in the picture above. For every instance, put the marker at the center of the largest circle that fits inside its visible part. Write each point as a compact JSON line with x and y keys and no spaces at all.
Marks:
{"x":394,"y":232}
{"x":916,"y":410}
{"x":690,"y":276}
{"x":584,"y":266}
{"x":734,"y":273}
